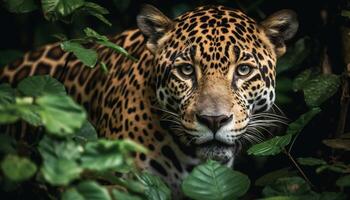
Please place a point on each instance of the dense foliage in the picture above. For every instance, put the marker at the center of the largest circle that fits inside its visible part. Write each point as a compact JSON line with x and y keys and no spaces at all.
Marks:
{"x":68,"y":161}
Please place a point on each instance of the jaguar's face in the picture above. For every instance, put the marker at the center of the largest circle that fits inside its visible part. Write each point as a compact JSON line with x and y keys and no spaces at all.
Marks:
{"x":215,"y":69}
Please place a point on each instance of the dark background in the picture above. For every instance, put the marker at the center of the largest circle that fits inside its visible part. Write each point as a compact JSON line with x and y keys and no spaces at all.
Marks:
{"x":320,"y":20}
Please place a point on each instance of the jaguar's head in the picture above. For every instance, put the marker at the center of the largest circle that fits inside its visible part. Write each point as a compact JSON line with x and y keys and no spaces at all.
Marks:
{"x":215,"y":72}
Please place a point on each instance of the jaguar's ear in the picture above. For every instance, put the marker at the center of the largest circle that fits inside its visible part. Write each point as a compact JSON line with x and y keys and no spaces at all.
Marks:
{"x":153,"y":24}
{"x":279,"y":27}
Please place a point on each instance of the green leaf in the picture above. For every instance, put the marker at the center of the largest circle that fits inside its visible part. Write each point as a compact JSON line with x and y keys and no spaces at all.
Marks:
{"x":41,"y":85}
{"x":103,"y":40}
{"x":88,"y":190}
{"x":298,"y":125}
{"x":7,"y":144}
{"x":97,"y":11}
{"x":345,"y":13}
{"x":343,"y":144}
{"x":211,"y":181}
{"x":8,"y":56}
{"x":7,"y":94}
{"x":124,"y":196}
{"x":59,"y":160}
{"x":18,"y":169}
{"x":102,"y":155}
{"x":270,"y":147}
{"x":311,"y":161}
{"x":343,"y":181}
{"x":155,"y":188}
{"x":86,"y":56}
{"x":20,"y":6}
{"x":60,"y":114}
{"x":86,"y":133}
{"x":320,"y":88}
{"x":55,"y":9}
{"x":301,"y":79}
{"x":270,"y":177}
{"x":295,"y":55}
{"x":290,"y":186}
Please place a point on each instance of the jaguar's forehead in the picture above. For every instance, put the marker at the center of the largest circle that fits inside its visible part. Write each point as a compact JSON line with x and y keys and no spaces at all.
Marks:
{"x":221,"y":35}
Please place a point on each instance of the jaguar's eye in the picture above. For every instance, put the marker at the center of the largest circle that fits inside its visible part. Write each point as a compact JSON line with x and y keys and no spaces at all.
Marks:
{"x":186,"y":69}
{"x":243,"y":70}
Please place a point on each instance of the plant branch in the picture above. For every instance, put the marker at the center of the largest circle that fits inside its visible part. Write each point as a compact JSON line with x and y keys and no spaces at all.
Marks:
{"x":298,"y":168}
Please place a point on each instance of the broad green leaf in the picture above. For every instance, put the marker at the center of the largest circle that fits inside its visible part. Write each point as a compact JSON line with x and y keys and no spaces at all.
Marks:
{"x":39,"y":85}
{"x":343,"y":181}
{"x":343,"y":144}
{"x":86,"y":133}
{"x":270,"y":147}
{"x":60,"y":115}
{"x":320,"y":88}
{"x":103,"y":40}
{"x":102,"y":155}
{"x":8,"y":56}
{"x":290,"y":186}
{"x":155,"y":188}
{"x":124,"y":196}
{"x":28,"y":113}
{"x":270,"y":177}
{"x":59,"y":160}
{"x":88,"y":190}
{"x":295,"y":55}
{"x":7,"y":94}
{"x":86,"y":56}
{"x":20,"y":6}
{"x":301,"y":79}
{"x":298,"y":125}
{"x":311,"y":161}
{"x":17,"y":168}
{"x":212,"y":181}
{"x":55,"y":9}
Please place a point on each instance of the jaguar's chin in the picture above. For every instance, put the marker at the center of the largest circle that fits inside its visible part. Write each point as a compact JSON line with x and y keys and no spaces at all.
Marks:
{"x":218,"y":151}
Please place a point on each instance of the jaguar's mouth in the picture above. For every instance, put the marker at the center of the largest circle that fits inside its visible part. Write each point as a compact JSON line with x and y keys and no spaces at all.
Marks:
{"x":219,"y":151}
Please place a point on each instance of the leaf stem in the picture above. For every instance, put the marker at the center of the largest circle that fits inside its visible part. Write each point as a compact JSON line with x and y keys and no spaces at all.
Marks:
{"x":298,"y":168}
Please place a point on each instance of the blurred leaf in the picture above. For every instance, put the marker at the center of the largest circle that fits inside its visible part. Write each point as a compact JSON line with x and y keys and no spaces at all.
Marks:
{"x":102,"y":155}
{"x":88,"y":190}
{"x":124,"y":196}
{"x":290,"y":186}
{"x":334,"y":168}
{"x":311,"y":161}
{"x":20,"y":6}
{"x":270,"y":177}
{"x":103,"y":40}
{"x":343,"y":144}
{"x":60,"y":114}
{"x":345,"y":13}
{"x":213,"y":181}
{"x":59,"y":161}
{"x":331,"y":196}
{"x":298,"y":125}
{"x":7,"y":94}
{"x":320,"y":88}
{"x":87,"y":56}
{"x":272,"y":146}
{"x":8,"y":56}
{"x":301,"y":79}
{"x":86,"y":133}
{"x":40,"y":85}
{"x":18,"y":169}
{"x":343,"y":181}
{"x":104,"y":67}
{"x":155,"y":188}
{"x":55,"y":9}
{"x":295,"y":55}
{"x":96,"y":11}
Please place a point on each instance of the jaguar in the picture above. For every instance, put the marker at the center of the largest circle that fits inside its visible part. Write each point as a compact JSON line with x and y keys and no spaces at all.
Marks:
{"x":200,"y":85}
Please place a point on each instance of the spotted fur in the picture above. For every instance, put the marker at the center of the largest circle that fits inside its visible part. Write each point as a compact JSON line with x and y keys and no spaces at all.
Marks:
{"x":192,"y":95}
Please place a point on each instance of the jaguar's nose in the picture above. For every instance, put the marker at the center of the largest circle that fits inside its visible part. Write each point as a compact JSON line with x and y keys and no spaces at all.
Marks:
{"x":214,"y":123}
